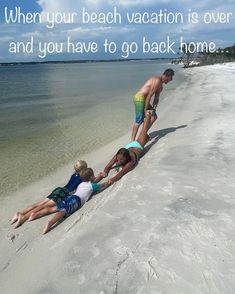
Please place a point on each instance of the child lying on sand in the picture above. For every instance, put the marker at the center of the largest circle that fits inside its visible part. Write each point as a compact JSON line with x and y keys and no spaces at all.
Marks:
{"x":56,"y":196}
{"x":71,"y":203}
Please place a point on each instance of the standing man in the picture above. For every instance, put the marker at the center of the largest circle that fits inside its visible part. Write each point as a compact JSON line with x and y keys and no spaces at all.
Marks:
{"x":142,"y":98}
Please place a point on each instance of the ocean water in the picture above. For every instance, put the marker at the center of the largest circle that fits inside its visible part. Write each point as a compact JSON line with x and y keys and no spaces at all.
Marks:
{"x":52,"y":114}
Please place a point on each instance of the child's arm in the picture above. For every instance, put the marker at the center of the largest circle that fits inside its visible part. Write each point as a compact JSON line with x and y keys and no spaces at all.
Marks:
{"x":107,"y":168}
{"x":105,"y":185}
{"x":100,"y":186}
{"x":98,"y":178}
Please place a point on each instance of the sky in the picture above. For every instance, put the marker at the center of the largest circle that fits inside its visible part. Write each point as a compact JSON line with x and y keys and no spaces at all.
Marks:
{"x":116,"y":31}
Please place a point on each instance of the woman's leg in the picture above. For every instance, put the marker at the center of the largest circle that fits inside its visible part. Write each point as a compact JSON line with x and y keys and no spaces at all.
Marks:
{"x":135,"y":129}
{"x":143,"y":136}
{"x":153,"y":119}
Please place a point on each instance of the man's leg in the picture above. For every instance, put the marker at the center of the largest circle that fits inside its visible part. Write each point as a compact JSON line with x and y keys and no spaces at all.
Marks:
{"x":139,"y":103}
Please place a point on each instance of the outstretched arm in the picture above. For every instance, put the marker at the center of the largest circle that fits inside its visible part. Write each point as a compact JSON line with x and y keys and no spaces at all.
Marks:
{"x":106,"y":169}
{"x":129,"y":166}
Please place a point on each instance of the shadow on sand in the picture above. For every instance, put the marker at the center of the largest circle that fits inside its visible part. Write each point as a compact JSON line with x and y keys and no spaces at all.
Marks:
{"x":157,"y":135}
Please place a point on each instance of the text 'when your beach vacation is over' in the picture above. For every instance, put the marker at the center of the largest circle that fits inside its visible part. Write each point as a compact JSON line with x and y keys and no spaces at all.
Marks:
{"x":84,"y":16}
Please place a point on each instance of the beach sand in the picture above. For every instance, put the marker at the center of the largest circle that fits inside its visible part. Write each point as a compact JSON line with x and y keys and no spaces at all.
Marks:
{"x":166,"y":227}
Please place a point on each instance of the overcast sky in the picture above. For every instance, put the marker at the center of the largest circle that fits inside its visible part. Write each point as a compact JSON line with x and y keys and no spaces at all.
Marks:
{"x":222,"y":34}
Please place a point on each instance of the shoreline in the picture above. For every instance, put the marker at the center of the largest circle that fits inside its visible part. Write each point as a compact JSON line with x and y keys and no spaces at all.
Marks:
{"x":45,"y":143}
{"x":57,"y":176}
{"x":167,"y":226}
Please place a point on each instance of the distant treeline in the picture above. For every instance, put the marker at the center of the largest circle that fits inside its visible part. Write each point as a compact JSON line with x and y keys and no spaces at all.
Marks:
{"x":221,"y":55}
{"x":189,"y":59}
{"x":81,"y":61}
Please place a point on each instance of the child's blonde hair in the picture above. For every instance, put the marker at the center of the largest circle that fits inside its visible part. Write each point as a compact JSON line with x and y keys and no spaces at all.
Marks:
{"x":80,"y":165}
{"x":87,"y":174}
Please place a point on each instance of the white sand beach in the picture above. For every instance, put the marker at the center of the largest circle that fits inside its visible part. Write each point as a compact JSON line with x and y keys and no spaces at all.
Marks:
{"x":166,"y":227}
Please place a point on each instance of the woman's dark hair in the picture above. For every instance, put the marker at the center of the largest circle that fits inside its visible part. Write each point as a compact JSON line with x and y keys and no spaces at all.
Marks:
{"x":125,"y":153}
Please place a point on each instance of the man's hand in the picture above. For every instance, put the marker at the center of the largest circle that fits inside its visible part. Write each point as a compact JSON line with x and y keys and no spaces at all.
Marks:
{"x":147,"y":112}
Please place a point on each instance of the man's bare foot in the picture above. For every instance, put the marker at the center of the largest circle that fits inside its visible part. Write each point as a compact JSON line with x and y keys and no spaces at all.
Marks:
{"x":46,"y":228}
{"x":19,"y":222}
{"x":15,"y":218}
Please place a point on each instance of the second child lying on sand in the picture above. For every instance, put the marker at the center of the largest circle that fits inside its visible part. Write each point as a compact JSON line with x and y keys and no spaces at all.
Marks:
{"x":73,"y":202}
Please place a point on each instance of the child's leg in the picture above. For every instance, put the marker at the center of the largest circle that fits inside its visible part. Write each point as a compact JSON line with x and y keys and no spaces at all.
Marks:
{"x":15,"y":218}
{"x":71,"y":204}
{"x":32,"y":215}
{"x":44,"y":211}
{"x":143,"y":137}
{"x":49,"y":203}
{"x":58,"y":216}
{"x":28,"y":209}
{"x":20,"y":220}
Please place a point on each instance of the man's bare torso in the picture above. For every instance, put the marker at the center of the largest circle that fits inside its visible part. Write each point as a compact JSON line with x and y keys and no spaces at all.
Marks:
{"x":152,"y":86}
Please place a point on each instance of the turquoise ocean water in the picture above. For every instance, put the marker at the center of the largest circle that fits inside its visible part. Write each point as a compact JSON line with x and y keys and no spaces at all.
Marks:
{"x":51,"y":114}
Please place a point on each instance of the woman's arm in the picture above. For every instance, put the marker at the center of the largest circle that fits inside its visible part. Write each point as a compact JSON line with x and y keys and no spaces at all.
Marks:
{"x":129,"y":166}
{"x":107,"y":169}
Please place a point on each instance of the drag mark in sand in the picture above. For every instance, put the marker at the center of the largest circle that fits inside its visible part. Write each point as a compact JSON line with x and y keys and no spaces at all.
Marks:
{"x":120,"y":263}
{"x":78,"y":220}
{"x":23,"y":246}
{"x":5,"y":266}
{"x":152,"y":272}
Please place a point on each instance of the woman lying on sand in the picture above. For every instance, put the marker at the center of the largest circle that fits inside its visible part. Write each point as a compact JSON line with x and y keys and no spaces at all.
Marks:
{"x":128,"y":157}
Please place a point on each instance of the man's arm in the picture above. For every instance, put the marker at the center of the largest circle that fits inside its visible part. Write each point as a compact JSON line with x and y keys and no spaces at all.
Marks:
{"x":156,"y":100}
{"x":154,"y":89}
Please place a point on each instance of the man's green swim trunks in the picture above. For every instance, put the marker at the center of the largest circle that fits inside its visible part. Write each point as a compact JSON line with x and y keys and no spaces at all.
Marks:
{"x":139,"y":101}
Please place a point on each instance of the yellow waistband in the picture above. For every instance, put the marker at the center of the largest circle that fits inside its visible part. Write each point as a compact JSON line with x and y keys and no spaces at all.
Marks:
{"x":139,"y":97}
